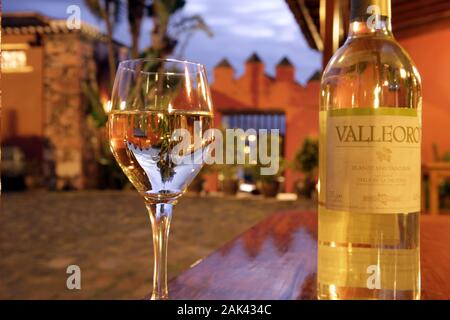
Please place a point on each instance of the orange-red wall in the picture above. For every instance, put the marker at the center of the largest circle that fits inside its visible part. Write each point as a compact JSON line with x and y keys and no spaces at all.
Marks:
{"x":255,"y":91}
{"x":431,"y":53}
{"x":22,"y":111}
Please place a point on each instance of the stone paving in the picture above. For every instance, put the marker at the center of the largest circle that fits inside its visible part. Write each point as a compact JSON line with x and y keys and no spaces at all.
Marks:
{"x":107,"y":234}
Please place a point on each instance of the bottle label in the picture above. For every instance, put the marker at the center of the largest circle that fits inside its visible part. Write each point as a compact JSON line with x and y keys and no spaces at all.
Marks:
{"x":371,"y":160}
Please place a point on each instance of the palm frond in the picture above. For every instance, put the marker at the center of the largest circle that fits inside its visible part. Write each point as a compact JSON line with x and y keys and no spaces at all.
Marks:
{"x":99,"y":8}
{"x":95,"y":7}
{"x":95,"y":106}
{"x":190,"y":24}
{"x":136,"y":10}
{"x":117,"y":10}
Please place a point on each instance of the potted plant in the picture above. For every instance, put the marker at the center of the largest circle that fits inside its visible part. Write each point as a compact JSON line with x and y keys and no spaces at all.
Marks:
{"x":227,"y":173}
{"x":269,"y":185}
{"x":306,"y":161}
{"x":196,"y":185}
{"x":230,"y":186}
{"x":444,"y":187}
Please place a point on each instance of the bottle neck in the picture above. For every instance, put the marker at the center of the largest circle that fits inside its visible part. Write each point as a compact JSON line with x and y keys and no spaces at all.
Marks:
{"x":370,"y":18}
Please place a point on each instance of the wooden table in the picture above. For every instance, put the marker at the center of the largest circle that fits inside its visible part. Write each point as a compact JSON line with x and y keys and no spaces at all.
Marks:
{"x":277,"y":259}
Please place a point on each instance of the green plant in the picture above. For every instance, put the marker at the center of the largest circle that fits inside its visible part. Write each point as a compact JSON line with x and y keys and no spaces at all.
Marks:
{"x":257,"y":168}
{"x":306,"y":161}
{"x":256,"y":171}
{"x":228,"y":171}
{"x":109,"y":11}
{"x":444,"y":187}
{"x":167,"y":31}
{"x":136,"y":11}
{"x":446,"y":157}
{"x":307,"y":158}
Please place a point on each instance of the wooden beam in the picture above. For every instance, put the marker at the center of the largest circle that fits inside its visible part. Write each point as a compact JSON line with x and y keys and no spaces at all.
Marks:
{"x":332,"y":29}
{"x":322,"y":17}
{"x":294,"y":6}
{"x":421,"y":27}
{"x":399,"y":14}
{"x":330,"y":19}
{"x":345,"y":19}
{"x":311,"y":26}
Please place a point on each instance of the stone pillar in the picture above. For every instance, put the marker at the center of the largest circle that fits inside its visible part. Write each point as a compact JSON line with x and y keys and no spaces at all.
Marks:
{"x":92,"y":136}
{"x":66,"y":62}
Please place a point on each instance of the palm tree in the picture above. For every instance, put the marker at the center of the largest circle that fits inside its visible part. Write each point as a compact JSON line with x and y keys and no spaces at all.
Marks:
{"x":188,"y":26}
{"x":109,"y":11}
{"x":160,"y":12}
{"x":166,"y":33}
{"x":136,"y":9}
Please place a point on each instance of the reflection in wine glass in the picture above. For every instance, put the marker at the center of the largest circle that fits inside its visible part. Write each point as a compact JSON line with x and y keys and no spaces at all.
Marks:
{"x":183,"y":174}
{"x":152,"y":100}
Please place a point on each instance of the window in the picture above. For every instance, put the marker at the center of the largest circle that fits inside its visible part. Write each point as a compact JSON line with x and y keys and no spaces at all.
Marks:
{"x":256,"y":121}
{"x":15,"y":61}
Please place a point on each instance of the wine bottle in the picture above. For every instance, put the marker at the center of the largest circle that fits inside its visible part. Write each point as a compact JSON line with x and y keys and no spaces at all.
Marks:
{"x":370,"y":162}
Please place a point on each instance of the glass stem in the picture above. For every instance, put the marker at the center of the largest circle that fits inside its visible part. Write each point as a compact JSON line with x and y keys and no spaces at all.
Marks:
{"x":160,"y":217}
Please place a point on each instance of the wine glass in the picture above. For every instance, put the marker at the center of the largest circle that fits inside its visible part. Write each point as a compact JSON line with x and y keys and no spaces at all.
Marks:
{"x":158,"y":125}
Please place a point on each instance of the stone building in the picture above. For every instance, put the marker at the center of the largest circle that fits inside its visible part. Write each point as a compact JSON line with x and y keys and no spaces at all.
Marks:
{"x":260,"y":101}
{"x":43,"y":106}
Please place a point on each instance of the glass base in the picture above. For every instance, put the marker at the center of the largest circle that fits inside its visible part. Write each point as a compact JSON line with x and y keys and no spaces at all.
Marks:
{"x":156,"y":296}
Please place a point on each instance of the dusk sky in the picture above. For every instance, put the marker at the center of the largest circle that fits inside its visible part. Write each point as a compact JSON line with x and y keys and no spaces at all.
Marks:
{"x":240,"y":28}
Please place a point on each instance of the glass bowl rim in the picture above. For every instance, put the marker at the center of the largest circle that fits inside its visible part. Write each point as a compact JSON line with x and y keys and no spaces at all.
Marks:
{"x":200,"y":67}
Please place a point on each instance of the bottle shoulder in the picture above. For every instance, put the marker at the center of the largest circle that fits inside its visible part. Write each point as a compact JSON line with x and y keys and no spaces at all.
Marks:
{"x":376,"y":51}
{"x":370,"y":71}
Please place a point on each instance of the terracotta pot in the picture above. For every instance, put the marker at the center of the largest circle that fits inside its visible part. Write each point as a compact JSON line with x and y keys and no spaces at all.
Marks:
{"x":30,"y":182}
{"x":305,"y":188}
{"x":269,"y":189}
{"x":230,"y":186}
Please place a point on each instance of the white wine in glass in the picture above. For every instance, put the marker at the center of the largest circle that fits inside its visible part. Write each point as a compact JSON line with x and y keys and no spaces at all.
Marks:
{"x":159,"y":135}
